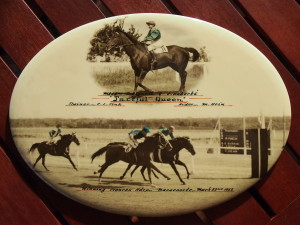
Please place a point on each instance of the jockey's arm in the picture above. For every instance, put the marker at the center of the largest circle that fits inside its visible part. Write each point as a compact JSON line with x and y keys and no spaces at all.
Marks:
{"x":172,"y":136}
{"x":154,"y":35}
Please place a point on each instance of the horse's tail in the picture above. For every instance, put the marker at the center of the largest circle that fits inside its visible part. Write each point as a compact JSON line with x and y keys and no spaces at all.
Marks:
{"x":196,"y":54}
{"x":34,"y":146}
{"x":99,"y":152}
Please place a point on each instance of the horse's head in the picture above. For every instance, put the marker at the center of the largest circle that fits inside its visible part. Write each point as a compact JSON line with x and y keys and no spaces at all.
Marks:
{"x":186,"y":143}
{"x":74,"y":139}
{"x":114,"y":41}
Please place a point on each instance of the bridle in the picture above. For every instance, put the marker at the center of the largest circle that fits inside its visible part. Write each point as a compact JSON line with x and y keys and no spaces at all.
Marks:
{"x":119,"y":45}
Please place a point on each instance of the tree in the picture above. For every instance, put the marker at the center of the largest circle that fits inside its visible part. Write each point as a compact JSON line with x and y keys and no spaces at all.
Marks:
{"x":203,"y":54}
{"x":102,"y":36}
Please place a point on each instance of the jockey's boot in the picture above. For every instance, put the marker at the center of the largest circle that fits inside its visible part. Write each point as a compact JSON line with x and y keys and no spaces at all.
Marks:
{"x":154,"y":60}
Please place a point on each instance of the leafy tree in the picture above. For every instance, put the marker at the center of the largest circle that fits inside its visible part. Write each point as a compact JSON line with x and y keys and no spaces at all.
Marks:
{"x":203,"y":54}
{"x":103,"y":35}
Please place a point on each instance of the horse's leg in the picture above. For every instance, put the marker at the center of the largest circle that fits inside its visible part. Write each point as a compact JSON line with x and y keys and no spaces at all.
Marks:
{"x":136,"y":76}
{"x":70,"y":160}
{"x":128,"y":168}
{"x":178,"y":162}
{"x":135,"y":83}
{"x":155,"y":174}
{"x":149,"y":174}
{"x":183,"y":75}
{"x":140,"y":80}
{"x":157,"y":170}
{"x":43,"y":162}
{"x":142,"y":172}
{"x":38,"y":159}
{"x":103,"y":168}
{"x":135,"y":168}
{"x":176,"y":171}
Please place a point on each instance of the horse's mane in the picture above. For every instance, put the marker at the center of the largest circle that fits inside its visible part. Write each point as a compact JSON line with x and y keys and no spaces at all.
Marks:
{"x":130,"y":37}
{"x":185,"y":137}
{"x":65,"y":135}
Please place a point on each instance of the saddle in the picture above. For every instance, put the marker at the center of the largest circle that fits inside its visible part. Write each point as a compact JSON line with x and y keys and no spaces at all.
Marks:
{"x":52,"y":146}
{"x":160,"y":49}
{"x":126,"y":146}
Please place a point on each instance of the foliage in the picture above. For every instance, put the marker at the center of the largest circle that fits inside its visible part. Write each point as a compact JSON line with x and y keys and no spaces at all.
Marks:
{"x":102,"y":36}
{"x":179,"y":123}
{"x":204,"y":55}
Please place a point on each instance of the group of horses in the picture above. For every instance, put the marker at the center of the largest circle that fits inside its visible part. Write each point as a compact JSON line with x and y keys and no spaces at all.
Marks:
{"x":155,"y":148}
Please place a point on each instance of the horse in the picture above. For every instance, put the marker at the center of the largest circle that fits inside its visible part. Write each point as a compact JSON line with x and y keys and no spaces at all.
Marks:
{"x":170,"y":157}
{"x":61,"y":148}
{"x":139,"y":155}
{"x":177,"y":58}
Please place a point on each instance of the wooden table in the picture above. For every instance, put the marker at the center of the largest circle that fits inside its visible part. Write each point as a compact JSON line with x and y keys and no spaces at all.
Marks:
{"x":273,"y":26}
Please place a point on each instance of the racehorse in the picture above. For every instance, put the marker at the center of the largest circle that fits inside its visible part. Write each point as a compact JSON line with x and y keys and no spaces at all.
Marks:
{"x":170,"y":157}
{"x":139,"y":155}
{"x":61,"y":148}
{"x":177,"y":58}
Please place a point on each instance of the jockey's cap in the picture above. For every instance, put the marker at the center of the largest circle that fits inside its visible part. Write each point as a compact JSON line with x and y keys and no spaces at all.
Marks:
{"x":146,"y":129}
{"x":171,"y":128}
{"x":151,"y":22}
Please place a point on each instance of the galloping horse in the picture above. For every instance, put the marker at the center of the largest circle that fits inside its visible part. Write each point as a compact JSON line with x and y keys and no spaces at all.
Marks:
{"x":139,"y":155}
{"x":177,"y":58}
{"x":170,"y":157}
{"x":58,"y":149}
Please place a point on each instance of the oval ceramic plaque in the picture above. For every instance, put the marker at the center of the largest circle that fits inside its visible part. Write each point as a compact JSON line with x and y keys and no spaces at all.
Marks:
{"x":198,"y":111}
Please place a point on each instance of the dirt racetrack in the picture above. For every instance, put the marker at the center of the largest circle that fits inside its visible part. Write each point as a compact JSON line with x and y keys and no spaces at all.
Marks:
{"x":216,"y":177}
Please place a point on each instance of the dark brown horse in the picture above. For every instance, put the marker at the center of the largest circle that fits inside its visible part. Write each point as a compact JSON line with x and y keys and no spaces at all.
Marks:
{"x":61,"y":148}
{"x":170,"y":157}
{"x":177,"y":58}
{"x":139,"y":155}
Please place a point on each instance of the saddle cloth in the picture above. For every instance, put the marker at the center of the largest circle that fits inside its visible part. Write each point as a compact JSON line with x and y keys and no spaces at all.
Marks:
{"x":160,"y":49}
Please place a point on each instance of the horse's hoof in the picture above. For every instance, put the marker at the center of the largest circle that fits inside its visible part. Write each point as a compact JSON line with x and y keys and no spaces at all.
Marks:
{"x":168,"y":178}
{"x":95,"y":172}
{"x":183,"y":183}
{"x":121,"y":178}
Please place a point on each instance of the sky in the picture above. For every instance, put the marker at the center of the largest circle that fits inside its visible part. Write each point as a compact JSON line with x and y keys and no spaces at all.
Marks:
{"x":238,"y":75}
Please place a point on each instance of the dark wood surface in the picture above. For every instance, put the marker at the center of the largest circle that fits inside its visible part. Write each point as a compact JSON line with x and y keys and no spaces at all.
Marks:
{"x":273,"y":26}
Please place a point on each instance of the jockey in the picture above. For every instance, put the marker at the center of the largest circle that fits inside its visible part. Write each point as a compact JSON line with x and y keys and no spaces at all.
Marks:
{"x":152,"y":37}
{"x":54,"y":133}
{"x":168,"y":131}
{"x":135,"y":135}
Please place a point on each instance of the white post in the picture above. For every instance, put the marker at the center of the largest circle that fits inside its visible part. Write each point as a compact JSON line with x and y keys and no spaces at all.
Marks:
{"x":270,"y":128}
{"x":283,"y":132}
{"x":244,"y":135}
{"x":262,"y":121}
